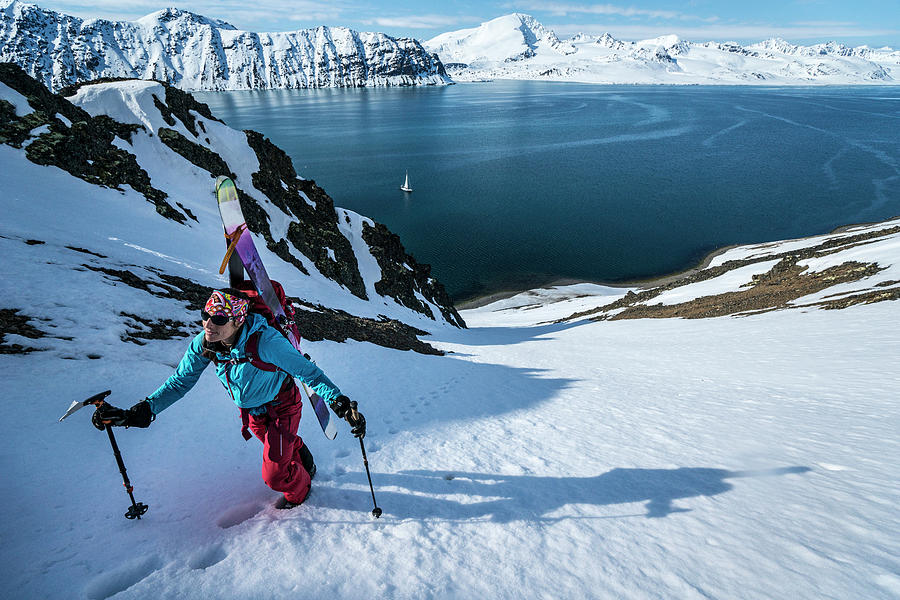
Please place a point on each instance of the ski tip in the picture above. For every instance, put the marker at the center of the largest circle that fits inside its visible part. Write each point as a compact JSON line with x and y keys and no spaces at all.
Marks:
{"x":221,"y":179}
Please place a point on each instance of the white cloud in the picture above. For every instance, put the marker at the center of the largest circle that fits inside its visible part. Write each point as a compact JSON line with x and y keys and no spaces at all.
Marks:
{"x":561,"y":9}
{"x":421,"y":21}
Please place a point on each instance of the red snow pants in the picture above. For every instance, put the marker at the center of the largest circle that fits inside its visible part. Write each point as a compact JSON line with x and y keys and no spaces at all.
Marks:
{"x":282,"y":469}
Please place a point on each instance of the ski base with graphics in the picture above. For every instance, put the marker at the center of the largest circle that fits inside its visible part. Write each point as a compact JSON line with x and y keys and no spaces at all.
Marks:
{"x":240,"y":243}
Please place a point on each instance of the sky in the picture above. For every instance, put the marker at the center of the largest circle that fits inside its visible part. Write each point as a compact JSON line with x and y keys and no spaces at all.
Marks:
{"x":872,"y":22}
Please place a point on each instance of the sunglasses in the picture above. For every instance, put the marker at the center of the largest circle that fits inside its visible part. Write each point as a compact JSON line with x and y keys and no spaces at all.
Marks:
{"x":216,"y":319}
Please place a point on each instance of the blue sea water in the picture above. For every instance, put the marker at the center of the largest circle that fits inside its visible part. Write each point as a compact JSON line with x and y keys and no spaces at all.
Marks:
{"x":518,"y":184}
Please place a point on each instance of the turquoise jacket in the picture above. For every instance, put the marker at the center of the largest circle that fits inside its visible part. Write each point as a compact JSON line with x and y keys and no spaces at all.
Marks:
{"x":248,"y":386}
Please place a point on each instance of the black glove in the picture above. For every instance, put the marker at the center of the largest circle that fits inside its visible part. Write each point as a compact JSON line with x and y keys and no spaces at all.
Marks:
{"x":341,"y":406}
{"x":139,"y":415}
{"x":344,"y":408}
{"x":357,"y":422}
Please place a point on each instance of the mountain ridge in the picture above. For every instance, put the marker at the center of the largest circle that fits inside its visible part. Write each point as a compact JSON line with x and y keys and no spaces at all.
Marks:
{"x":517,"y":46}
{"x":195,"y":52}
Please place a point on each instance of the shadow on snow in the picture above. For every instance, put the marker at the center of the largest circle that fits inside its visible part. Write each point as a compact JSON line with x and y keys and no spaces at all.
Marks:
{"x":505,"y":498}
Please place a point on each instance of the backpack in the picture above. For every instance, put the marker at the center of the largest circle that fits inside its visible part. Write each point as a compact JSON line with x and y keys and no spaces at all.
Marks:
{"x":258,"y":306}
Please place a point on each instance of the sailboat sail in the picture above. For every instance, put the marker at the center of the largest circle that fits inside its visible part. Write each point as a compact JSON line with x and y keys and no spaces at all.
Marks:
{"x":405,"y":187}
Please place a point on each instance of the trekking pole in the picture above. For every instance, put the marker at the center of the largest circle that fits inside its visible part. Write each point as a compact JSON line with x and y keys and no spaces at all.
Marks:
{"x":375,"y":511}
{"x":137,"y":508}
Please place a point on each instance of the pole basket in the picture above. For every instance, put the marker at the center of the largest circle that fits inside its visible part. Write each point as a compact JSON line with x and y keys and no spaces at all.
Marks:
{"x":136,"y":510}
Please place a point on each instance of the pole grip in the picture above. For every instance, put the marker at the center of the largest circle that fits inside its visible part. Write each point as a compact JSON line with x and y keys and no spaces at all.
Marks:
{"x":97,"y":399}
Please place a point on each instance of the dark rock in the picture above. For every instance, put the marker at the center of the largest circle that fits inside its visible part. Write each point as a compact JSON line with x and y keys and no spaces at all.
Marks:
{"x":142,"y":328}
{"x":324,"y":323}
{"x":179,"y":104}
{"x":13,"y":321}
{"x":315,"y":229}
{"x":83,"y":251}
{"x":198,"y":155}
{"x":402,"y":283}
{"x":187,"y":211}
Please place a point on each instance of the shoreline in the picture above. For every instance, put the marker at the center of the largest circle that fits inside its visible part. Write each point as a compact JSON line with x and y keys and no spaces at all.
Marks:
{"x":643,"y":284}
{"x":652,"y":282}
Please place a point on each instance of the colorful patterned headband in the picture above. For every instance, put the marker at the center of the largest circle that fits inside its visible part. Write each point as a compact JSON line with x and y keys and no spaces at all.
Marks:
{"x":220,"y":303}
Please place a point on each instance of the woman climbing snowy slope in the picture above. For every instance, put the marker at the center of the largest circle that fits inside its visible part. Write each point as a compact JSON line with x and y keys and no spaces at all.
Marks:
{"x":257,"y":366}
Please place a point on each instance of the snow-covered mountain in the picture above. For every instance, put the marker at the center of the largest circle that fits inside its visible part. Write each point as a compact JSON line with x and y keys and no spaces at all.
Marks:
{"x":511,"y":38}
{"x":112,"y":179}
{"x":729,"y":434}
{"x":517,"y":46}
{"x":198,"y":53}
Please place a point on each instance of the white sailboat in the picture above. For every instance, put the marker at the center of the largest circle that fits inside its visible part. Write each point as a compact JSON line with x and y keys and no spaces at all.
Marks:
{"x":405,"y":187}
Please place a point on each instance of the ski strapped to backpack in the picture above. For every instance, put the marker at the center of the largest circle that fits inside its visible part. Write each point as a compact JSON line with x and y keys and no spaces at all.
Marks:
{"x":288,"y":328}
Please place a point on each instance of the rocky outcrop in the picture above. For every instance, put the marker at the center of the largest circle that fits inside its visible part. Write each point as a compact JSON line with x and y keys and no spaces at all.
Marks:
{"x":59,"y":133}
{"x":323,"y":323}
{"x":314,"y":231}
{"x":315,"y":322}
{"x":13,"y":321}
{"x":404,"y":279}
{"x":778,"y":288}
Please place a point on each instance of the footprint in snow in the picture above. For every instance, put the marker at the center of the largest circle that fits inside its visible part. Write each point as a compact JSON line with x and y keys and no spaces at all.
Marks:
{"x":117,"y":580}
{"x":238,"y":514}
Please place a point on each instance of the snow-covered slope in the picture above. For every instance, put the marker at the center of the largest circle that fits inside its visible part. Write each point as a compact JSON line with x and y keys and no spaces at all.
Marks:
{"x":517,"y":46}
{"x":197,"y":53}
{"x":735,"y":458}
{"x":118,"y":186}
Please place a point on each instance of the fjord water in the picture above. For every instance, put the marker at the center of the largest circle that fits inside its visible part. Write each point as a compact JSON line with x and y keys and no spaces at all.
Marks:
{"x":519,"y":184}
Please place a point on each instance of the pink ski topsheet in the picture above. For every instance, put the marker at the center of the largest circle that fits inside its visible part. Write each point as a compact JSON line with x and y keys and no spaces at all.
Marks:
{"x":234,"y":223}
